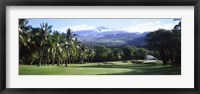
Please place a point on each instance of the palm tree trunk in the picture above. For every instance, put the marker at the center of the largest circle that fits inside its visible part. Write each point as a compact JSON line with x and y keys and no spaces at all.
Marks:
{"x":41,"y":56}
{"x":40,"y":62}
{"x":53,"y":61}
{"x":65,"y":63}
{"x":61,"y":62}
{"x":58,"y":62}
{"x":32,"y":62}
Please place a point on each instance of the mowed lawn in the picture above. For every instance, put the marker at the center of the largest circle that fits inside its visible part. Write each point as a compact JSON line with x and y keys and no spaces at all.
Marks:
{"x":105,"y":68}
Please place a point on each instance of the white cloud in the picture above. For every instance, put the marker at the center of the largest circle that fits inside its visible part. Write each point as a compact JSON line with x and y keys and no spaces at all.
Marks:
{"x":78,"y":28}
{"x":148,"y":26}
{"x":103,"y":29}
{"x":140,"y":27}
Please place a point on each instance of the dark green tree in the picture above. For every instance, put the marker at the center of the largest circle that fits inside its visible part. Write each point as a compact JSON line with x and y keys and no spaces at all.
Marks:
{"x":117,"y":53}
{"x":102,"y":52}
{"x":161,"y":40}
{"x":129,"y":52}
{"x":141,"y":52}
{"x":167,"y":43}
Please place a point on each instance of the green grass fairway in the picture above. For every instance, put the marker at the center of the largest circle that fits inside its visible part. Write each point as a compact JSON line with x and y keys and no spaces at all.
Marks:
{"x":108,"y":68}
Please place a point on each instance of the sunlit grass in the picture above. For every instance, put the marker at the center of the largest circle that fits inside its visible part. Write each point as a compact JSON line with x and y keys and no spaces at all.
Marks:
{"x":103,"y":68}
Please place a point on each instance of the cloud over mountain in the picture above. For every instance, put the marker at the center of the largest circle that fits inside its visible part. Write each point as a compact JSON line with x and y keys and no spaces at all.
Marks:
{"x":116,"y":36}
{"x":140,"y":27}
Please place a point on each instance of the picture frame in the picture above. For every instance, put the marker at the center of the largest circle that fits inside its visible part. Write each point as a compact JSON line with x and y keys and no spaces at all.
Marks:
{"x":5,"y":90}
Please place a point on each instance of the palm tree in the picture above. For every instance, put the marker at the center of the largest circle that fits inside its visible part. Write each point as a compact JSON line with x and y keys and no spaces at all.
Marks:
{"x":24,"y":39}
{"x":58,"y":48}
{"x":54,"y":42}
{"x":64,"y":46}
{"x":34,"y":46}
{"x":44,"y":30}
{"x":72,"y":46}
{"x":23,"y":28}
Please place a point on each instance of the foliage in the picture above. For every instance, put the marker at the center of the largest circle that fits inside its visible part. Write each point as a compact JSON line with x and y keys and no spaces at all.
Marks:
{"x":167,"y":43}
{"x":102,"y":52}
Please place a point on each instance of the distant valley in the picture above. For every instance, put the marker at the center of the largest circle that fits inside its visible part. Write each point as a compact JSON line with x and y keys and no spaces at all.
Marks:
{"x":111,"y":38}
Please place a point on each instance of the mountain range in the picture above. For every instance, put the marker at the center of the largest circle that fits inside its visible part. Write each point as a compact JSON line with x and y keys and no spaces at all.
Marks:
{"x":110,"y":37}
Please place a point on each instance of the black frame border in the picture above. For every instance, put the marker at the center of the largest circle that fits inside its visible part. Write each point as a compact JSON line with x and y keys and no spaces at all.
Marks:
{"x":4,"y":3}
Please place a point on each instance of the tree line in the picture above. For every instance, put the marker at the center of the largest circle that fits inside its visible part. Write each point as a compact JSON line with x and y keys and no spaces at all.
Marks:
{"x":127,"y":52}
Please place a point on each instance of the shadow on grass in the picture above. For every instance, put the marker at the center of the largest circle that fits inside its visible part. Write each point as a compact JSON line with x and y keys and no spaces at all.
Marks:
{"x":151,"y":71}
{"x":142,"y":69}
{"x":121,"y":66}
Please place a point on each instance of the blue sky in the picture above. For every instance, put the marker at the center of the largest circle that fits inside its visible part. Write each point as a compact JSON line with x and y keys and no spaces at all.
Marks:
{"x":130,"y":25}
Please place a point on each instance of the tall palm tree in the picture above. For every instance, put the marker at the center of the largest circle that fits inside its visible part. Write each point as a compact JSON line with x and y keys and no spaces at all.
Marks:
{"x":58,"y":48}
{"x":54,"y":41}
{"x":34,"y":46}
{"x":24,"y":39}
{"x":44,"y":30}
{"x":23,"y":35}
{"x":72,"y":46}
